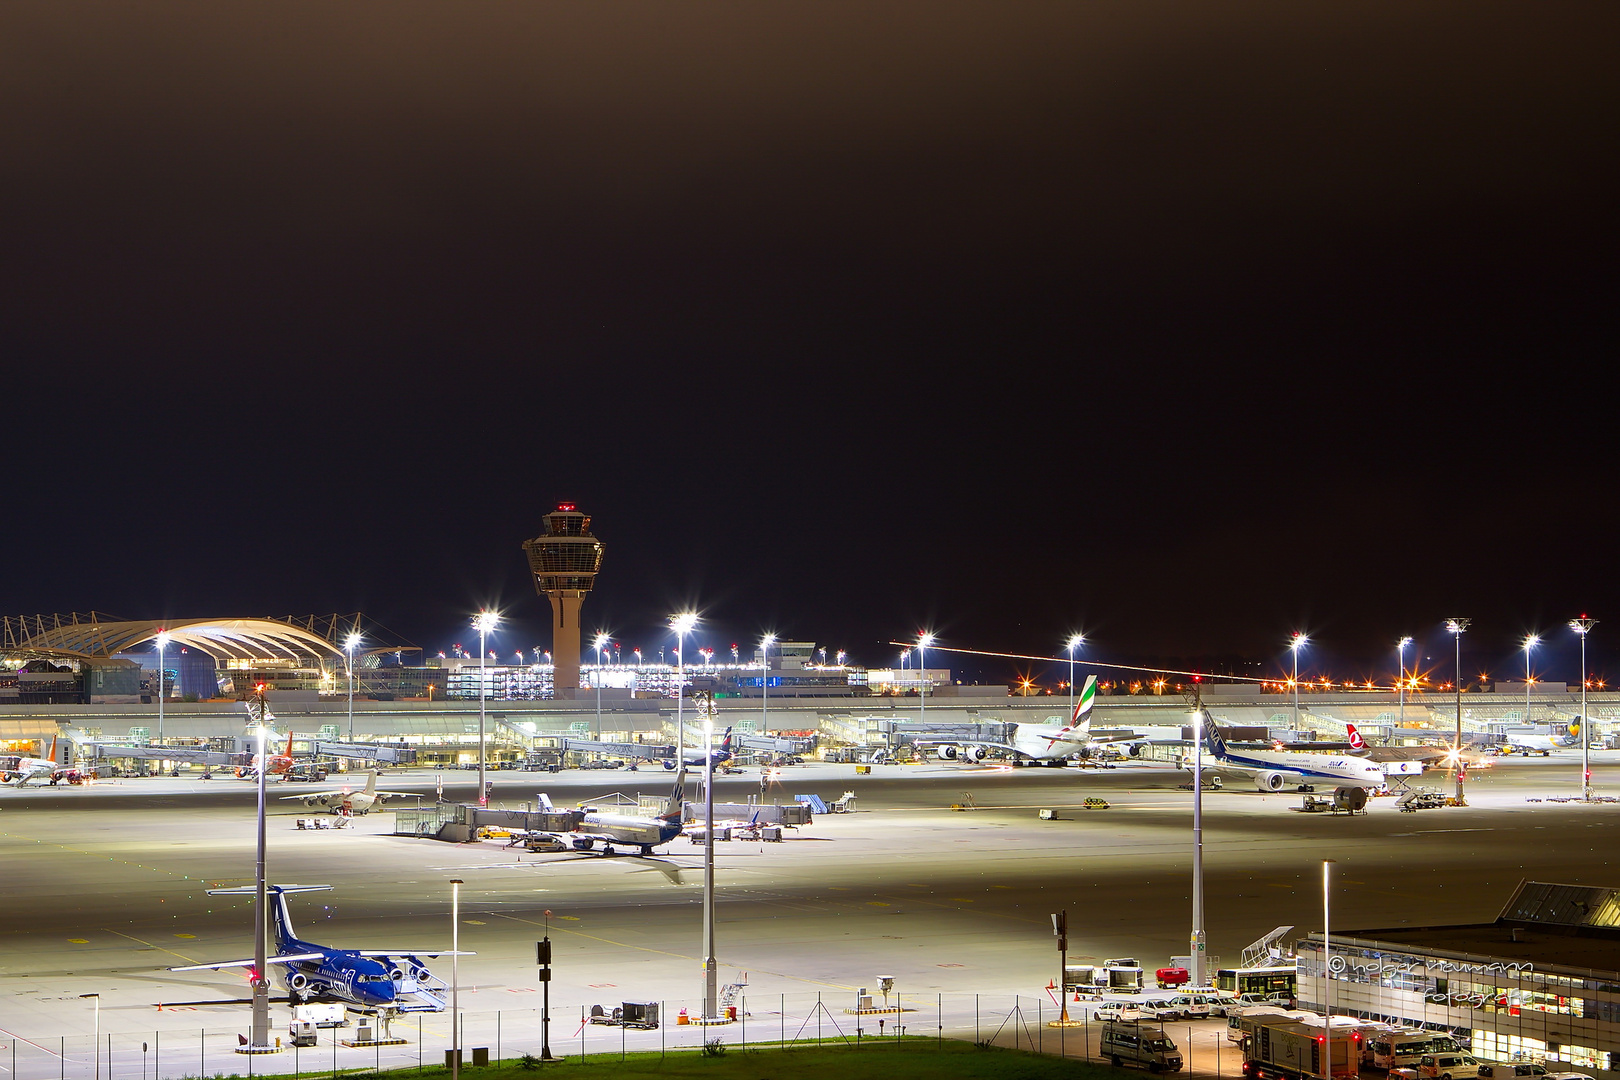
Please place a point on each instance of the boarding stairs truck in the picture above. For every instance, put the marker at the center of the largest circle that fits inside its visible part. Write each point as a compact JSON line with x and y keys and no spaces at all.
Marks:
{"x":1295,"y":1051}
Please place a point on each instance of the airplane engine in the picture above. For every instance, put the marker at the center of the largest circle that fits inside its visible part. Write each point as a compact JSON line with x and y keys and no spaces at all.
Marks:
{"x":947,"y":753}
{"x":420,"y":973}
{"x":297,"y":981}
{"x":398,"y":974}
{"x":1270,"y":781}
{"x":1135,"y":749}
{"x":974,"y":753}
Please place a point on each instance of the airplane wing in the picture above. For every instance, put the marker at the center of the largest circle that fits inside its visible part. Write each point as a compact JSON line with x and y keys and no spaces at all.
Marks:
{"x":296,"y":958}
{"x":435,"y":954}
{"x":311,"y":798}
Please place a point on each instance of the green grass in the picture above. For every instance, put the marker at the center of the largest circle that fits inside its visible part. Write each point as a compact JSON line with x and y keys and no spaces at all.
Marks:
{"x":921,"y":1058}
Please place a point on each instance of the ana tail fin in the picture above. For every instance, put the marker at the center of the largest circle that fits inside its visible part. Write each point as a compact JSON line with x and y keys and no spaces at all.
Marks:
{"x":1212,"y":736}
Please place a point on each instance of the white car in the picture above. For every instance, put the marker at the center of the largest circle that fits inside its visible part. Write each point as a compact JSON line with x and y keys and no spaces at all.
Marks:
{"x":1118,"y":1010}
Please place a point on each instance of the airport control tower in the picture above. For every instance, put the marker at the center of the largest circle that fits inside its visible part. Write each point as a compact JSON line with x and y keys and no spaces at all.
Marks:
{"x":565,"y":562}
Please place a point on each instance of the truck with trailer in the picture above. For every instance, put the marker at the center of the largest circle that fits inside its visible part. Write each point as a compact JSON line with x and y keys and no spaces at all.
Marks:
{"x":1296,"y":1051}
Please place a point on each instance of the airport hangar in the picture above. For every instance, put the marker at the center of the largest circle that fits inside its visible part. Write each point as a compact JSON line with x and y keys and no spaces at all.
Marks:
{"x":82,"y":677}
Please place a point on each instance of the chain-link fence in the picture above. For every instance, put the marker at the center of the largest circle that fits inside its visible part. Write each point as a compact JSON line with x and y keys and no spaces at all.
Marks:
{"x":420,"y":1041}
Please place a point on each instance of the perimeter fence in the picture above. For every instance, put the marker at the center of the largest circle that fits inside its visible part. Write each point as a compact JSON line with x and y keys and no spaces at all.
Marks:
{"x":424,"y":1041}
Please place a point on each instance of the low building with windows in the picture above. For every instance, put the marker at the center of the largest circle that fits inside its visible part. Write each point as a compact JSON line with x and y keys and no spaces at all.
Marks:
{"x":1541,"y":983}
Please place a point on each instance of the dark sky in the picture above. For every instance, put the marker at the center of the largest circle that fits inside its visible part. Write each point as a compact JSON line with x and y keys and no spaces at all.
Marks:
{"x":1186,"y":324}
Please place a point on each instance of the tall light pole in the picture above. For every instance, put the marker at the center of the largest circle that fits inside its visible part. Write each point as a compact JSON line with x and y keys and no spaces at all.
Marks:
{"x":1295,"y":643}
{"x":1458,"y":627}
{"x":260,"y":1035}
{"x":98,"y":1031}
{"x":1327,"y":984}
{"x":351,"y":643}
{"x":1530,"y":642}
{"x":1074,"y":642}
{"x":1583,"y":626}
{"x":765,"y":644}
{"x":485,"y":622}
{"x":711,"y":968}
{"x":682,"y":624}
{"x":1200,"y":971}
{"x":1400,"y":662}
{"x":455,"y":978}
{"x":601,"y":643}
{"x":162,"y":643}
{"x":923,"y":641}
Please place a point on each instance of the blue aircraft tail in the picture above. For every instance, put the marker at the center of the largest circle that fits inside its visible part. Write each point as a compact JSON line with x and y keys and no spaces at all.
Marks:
{"x":1212,"y":736}
{"x":725,"y":746}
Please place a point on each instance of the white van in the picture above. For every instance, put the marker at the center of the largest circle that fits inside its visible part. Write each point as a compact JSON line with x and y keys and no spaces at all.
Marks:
{"x":1149,"y":1047}
{"x":1447,"y":1066}
{"x":1401,"y":1049}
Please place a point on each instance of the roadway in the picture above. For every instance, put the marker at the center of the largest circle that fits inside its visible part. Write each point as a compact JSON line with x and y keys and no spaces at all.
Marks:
{"x":105,"y":887}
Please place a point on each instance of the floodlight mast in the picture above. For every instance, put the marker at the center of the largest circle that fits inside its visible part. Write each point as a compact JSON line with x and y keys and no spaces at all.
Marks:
{"x":1583,"y":626}
{"x":1400,"y":682}
{"x":1458,"y":627}
{"x":485,"y":623}
{"x":1530,"y":642}
{"x":351,"y":643}
{"x":601,"y":643}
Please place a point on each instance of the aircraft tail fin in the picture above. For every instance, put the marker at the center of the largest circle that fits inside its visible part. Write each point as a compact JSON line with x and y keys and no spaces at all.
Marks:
{"x":673,"y":812}
{"x":52,"y":754}
{"x":1082,"y":704}
{"x":725,"y":744}
{"x":371,"y":782}
{"x":1213,"y":736}
{"x":1356,"y":741}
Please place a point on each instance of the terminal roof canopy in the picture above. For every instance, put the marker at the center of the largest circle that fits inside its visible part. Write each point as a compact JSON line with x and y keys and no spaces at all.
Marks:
{"x":223,"y":639}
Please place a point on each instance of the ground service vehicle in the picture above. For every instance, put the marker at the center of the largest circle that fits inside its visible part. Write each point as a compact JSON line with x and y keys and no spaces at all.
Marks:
{"x":1497,"y":1070}
{"x":1447,"y":1066}
{"x":1301,"y":1052}
{"x":1242,"y":1020}
{"x":1405,"y":1049}
{"x":1276,"y":982}
{"x":1133,"y":1044}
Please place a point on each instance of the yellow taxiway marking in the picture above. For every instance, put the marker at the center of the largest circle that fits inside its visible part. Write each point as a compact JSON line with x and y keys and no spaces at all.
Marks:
{"x":186,"y":935}
{"x":78,"y":941}
{"x":150,"y":945}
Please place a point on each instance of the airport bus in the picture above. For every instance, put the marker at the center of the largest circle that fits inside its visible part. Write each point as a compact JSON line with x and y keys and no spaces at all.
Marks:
{"x":1279,"y":981}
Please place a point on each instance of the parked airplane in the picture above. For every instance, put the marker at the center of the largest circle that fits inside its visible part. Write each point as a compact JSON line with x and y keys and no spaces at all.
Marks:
{"x":346,"y":801}
{"x":1523,"y":742}
{"x":278,"y":764}
{"x":1274,"y":770}
{"x":391,"y":979}
{"x":20,"y":769}
{"x":1051,"y":743}
{"x":624,"y":830}
{"x":720,"y":755}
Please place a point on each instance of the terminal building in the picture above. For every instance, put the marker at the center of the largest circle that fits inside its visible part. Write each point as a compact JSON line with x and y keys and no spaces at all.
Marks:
{"x":1540,"y":983}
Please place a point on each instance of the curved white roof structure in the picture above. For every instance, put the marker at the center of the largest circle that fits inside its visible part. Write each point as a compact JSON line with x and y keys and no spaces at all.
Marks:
{"x":223,"y":639}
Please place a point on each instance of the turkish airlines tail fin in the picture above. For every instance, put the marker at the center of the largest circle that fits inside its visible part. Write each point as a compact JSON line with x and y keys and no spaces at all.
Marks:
{"x":1356,"y":741}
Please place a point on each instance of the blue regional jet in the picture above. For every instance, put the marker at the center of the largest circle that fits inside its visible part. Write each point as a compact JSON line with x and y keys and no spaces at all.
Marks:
{"x":389,"y":979}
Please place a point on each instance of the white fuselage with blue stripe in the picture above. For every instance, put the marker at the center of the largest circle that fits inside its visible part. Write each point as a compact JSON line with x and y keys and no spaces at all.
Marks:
{"x":1276,"y":769}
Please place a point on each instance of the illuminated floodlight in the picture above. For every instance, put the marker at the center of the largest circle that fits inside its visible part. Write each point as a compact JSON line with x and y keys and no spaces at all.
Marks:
{"x":925,"y":640}
{"x":1074,"y":642}
{"x":600,"y":642}
{"x":485,"y":621}
{"x":683,"y":622}
{"x":162,"y":639}
{"x":1298,"y":641}
{"x":352,"y":642}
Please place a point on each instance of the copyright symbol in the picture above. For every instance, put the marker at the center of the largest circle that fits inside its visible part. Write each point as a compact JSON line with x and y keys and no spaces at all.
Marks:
{"x":1336,"y":965}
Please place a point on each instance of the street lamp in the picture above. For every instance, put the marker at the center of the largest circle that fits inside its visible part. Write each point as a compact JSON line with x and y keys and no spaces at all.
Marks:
{"x":923,"y":641}
{"x":1294,"y":645}
{"x":1074,"y":642}
{"x":351,"y":643}
{"x":260,"y":1040}
{"x":601,"y":643}
{"x":1458,"y":627}
{"x":484,"y":622}
{"x":1583,"y":626}
{"x":455,"y":978}
{"x":1200,"y":971}
{"x":98,"y":1031}
{"x":1327,"y":974}
{"x":711,"y":968}
{"x":1530,"y":642}
{"x":682,"y":623}
{"x":162,"y":640}
{"x":1400,"y":662}
{"x":765,"y":644}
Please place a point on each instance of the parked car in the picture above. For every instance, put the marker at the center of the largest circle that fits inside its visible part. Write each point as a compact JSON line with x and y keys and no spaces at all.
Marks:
{"x":1499,"y":1070}
{"x":1448,"y":1066}
{"x":1117,"y":1010}
{"x":1282,"y":1001}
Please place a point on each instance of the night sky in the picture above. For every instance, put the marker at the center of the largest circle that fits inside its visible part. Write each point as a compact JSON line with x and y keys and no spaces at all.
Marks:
{"x":1185,"y":325}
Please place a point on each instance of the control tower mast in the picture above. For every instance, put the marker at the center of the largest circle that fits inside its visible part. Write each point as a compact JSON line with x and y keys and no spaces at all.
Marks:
{"x":565,"y":561}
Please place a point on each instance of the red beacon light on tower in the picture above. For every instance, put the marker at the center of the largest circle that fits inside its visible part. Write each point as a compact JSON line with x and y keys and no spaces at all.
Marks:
{"x":566,"y":507}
